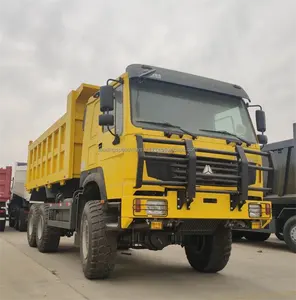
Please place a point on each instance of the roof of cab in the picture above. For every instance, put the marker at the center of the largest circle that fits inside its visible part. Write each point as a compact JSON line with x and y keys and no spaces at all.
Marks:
{"x":186,"y":79}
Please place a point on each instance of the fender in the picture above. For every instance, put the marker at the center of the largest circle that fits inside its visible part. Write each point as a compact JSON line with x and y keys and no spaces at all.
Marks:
{"x":95,"y":175}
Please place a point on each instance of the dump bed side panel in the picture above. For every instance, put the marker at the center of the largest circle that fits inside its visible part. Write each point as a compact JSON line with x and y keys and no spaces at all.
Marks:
{"x":56,"y":155}
{"x":285,"y":164}
{"x":5,"y":182}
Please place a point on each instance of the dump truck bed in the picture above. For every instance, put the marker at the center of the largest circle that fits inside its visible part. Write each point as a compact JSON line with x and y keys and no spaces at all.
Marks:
{"x":56,"y":155}
{"x":5,"y":182}
{"x":285,"y":165}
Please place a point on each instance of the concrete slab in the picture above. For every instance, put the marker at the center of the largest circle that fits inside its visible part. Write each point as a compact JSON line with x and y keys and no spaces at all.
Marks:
{"x":256,"y":271}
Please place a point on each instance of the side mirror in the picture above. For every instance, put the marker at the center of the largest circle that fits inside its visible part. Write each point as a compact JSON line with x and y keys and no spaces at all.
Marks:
{"x":106,"y":120}
{"x":262,"y":139}
{"x":260,"y":121}
{"x":106,"y":98}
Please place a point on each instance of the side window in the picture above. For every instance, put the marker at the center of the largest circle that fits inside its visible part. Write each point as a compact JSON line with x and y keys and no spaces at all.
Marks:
{"x":118,"y":110}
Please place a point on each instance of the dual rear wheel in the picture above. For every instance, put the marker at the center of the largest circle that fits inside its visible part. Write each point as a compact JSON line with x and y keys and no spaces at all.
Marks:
{"x":39,"y":234}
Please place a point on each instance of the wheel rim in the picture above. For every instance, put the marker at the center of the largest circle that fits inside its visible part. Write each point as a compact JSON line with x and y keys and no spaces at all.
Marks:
{"x":293,"y":234}
{"x":40,"y":227}
{"x":85,"y":239}
{"x":30,"y":226}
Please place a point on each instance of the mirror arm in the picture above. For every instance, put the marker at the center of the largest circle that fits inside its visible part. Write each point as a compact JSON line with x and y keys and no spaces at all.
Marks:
{"x":255,"y":105}
{"x":115,"y":80}
{"x":116,"y":140}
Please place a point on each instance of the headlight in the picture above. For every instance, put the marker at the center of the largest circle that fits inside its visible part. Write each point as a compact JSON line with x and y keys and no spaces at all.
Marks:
{"x":254,"y":210}
{"x":153,"y":207}
{"x":156,"y":207}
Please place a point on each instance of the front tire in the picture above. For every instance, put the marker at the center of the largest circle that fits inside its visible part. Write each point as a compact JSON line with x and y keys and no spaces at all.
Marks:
{"x":11,"y":223}
{"x":98,"y":247}
{"x":32,"y":225}
{"x":2,"y":225}
{"x":290,"y":233}
{"x":256,"y":236}
{"x":47,"y":238}
{"x":212,"y":253}
{"x":22,"y":224}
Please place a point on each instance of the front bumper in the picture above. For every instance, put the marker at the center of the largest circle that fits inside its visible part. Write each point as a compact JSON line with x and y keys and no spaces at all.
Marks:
{"x":136,"y":208}
{"x":190,"y":192}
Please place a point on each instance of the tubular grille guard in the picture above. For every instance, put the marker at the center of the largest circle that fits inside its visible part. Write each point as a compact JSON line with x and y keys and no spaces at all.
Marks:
{"x":188,"y":171}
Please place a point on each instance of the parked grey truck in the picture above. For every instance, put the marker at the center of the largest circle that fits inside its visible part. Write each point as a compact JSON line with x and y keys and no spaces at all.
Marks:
{"x":283,"y":199}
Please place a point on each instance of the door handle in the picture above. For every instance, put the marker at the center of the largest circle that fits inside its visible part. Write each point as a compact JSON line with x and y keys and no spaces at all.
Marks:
{"x":100,"y":145}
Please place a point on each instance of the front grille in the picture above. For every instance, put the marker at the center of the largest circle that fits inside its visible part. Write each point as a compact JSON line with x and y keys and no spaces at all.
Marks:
{"x":171,"y":171}
{"x":217,"y":166}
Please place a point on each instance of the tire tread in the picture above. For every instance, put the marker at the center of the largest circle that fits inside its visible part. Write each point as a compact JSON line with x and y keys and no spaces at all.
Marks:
{"x":51,"y":235}
{"x":217,"y":255}
{"x":103,"y":246}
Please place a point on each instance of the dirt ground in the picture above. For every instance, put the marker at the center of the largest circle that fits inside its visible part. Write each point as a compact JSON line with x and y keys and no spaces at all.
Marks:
{"x":255,"y":271}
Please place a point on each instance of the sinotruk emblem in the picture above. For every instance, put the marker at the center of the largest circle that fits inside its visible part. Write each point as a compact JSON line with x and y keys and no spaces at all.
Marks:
{"x":207,"y":170}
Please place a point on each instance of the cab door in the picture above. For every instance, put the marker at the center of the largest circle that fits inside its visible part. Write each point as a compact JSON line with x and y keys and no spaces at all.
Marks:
{"x":110,"y":153}
{"x":107,"y":146}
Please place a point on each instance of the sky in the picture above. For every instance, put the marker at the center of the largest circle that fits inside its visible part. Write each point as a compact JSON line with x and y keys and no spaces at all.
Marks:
{"x":49,"y":47}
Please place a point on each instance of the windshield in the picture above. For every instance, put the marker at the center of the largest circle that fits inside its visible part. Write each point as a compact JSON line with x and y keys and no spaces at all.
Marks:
{"x":189,"y":108}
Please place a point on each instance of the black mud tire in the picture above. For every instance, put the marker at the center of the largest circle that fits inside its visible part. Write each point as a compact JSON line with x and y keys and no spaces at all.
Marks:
{"x":98,"y":247}
{"x":2,"y":225}
{"x":290,"y":233}
{"x":32,"y":225}
{"x":214,"y":254}
{"x":16,"y":218}
{"x":47,"y":238}
{"x":11,"y":222}
{"x":256,"y":236}
{"x":280,"y":236}
{"x":237,"y":235}
{"x":22,"y":223}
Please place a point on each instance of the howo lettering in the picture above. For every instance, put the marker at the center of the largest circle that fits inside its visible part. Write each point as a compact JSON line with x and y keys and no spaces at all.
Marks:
{"x":208,"y":177}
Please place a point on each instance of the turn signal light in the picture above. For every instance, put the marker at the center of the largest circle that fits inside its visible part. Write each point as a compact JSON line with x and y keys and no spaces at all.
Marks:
{"x":267,"y":209}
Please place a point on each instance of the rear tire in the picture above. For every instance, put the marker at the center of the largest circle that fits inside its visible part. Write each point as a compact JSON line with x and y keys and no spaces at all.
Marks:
{"x":98,"y":247}
{"x":290,"y":233}
{"x":22,"y":224}
{"x":256,"y":236}
{"x":32,"y":225}
{"x":47,"y":238}
{"x":214,"y":253}
{"x":2,"y":225}
{"x":280,"y":236}
{"x":16,"y":218}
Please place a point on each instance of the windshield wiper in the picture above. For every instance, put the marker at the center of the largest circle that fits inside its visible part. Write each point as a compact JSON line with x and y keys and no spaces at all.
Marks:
{"x":229,"y":133}
{"x":168,"y":125}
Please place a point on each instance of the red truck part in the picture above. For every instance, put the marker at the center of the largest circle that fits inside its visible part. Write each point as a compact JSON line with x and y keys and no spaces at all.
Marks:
{"x":5,"y":182}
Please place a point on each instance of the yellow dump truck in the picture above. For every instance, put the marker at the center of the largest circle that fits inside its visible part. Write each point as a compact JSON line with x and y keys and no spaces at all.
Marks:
{"x":154,"y":158}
